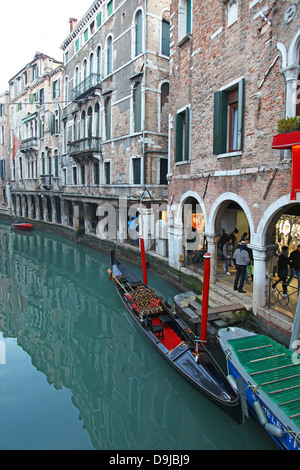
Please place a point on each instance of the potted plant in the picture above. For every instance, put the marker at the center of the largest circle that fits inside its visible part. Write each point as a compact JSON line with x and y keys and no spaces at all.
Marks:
{"x":288,"y":133}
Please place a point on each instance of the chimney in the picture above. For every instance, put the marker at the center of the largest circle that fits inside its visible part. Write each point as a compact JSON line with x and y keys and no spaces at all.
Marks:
{"x":73,"y":23}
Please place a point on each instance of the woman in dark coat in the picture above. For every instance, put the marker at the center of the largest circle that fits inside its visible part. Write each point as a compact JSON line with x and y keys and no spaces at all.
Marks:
{"x":283,"y":269}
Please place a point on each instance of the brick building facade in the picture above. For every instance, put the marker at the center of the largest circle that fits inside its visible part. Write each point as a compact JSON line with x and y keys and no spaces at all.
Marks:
{"x":234,"y":67}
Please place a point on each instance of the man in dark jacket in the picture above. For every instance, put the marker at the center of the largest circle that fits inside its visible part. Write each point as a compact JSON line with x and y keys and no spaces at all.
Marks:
{"x":283,"y":269}
{"x":295,"y":265}
{"x":242,"y":259}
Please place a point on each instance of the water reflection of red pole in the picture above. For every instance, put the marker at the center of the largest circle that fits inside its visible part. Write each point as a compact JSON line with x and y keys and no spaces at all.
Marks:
{"x":205,"y":297}
{"x":143,"y":260}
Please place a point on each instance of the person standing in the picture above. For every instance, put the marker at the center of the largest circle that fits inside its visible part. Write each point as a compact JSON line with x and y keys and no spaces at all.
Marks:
{"x":222,"y":240}
{"x":227,"y":253}
{"x":234,"y":237}
{"x":242,"y":259}
{"x":295,"y":265}
{"x":283,"y":269}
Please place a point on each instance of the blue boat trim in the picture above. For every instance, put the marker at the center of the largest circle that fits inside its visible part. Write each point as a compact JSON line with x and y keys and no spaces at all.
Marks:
{"x":282,"y":428}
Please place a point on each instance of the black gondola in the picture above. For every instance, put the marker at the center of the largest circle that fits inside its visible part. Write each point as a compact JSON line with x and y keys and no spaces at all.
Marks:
{"x":174,"y":340}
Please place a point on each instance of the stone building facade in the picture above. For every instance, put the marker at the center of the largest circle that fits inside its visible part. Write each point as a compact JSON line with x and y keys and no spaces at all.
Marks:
{"x":4,"y":152}
{"x":234,"y":66}
{"x":115,"y":114}
{"x":34,"y":139}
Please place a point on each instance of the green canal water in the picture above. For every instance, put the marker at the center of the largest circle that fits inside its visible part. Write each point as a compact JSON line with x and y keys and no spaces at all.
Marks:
{"x":74,"y":372}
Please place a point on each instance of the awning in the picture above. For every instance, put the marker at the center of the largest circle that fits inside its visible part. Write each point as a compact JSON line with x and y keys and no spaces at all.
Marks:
{"x":286,"y":140}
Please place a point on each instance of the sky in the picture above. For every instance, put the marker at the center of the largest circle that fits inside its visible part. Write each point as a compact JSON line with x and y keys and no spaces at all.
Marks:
{"x":35,"y":26}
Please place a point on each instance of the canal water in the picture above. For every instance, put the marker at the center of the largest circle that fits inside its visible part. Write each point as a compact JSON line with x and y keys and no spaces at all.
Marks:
{"x":74,"y":372}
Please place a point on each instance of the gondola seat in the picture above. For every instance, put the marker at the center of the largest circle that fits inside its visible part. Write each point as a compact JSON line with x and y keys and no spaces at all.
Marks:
{"x":145,"y":301}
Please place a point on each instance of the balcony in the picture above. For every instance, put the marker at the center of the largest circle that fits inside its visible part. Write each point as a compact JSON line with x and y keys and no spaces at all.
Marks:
{"x":28,"y":145}
{"x":84,"y":148}
{"x":86,"y":87}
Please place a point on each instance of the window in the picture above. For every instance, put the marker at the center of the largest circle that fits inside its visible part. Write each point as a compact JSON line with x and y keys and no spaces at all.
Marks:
{"x":82,"y":174}
{"x":34,"y":72}
{"x":55,"y":89}
{"x":99,"y":19}
{"x":86,"y":35}
{"x":66,"y":91}
{"x":107,"y":172}
{"x":96,"y":173}
{"x":56,"y":167}
{"x":182,"y":135}
{"x":137,"y":107}
{"x":66,"y":57}
{"x":107,"y":111}
{"x":110,"y":7}
{"x":136,"y":171}
{"x":163,"y":170}
{"x":41,"y":96}
{"x":228,"y":119}
{"x":165,"y":37}
{"x":185,"y":18}
{"x":109,"y":56}
{"x":77,"y":44}
{"x":98,"y":64}
{"x":75,"y":175}
{"x":139,"y":33}
{"x":164,"y":108}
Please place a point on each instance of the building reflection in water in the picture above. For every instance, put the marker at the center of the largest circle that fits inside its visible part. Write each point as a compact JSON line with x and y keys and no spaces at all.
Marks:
{"x":57,"y":301}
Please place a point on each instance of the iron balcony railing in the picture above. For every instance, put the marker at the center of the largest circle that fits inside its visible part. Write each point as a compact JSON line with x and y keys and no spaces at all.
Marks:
{"x":87,"y":86}
{"x":85,"y":145}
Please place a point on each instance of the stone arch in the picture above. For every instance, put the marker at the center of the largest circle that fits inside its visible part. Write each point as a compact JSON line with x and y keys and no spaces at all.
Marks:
{"x":219,"y":207}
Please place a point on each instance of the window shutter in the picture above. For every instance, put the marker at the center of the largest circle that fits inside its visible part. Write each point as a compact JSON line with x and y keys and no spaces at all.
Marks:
{"x":187,"y":134}
{"x":165,"y":41}
{"x":178,"y":137}
{"x":240,"y":114}
{"x":136,"y":171}
{"x":52,"y":124}
{"x":188,"y":16}
{"x":139,"y":33}
{"x":220,"y":122}
{"x":137,"y":108}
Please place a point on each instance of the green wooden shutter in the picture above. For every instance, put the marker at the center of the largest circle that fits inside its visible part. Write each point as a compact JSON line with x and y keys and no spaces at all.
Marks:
{"x":240,"y":114}
{"x":137,"y":171}
{"x":187,"y":134}
{"x":56,"y":166}
{"x":220,"y":122}
{"x":165,"y":40}
{"x":99,"y":19}
{"x":52,"y":124}
{"x":178,"y":137}
{"x":188,"y":16}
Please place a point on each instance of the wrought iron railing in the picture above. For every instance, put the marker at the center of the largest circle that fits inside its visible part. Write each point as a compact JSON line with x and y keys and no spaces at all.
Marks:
{"x":87,"y":144}
{"x":88,"y":84}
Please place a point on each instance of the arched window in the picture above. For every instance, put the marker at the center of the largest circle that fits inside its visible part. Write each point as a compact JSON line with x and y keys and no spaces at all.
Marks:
{"x":77,"y":80}
{"x":90,"y":122}
{"x":165,"y":34}
{"x":75,"y":134}
{"x":107,"y":111}
{"x":97,"y":112}
{"x":84,"y":75}
{"x":137,"y":107}
{"x":109,"y":56}
{"x":82,"y":135}
{"x":66,"y":91}
{"x":98,"y":64}
{"x":139,"y":33}
{"x":91,"y":69}
{"x":164,"y":107}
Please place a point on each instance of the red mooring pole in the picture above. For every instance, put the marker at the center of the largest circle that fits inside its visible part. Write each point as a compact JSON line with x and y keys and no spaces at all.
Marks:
{"x":205,"y":297}
{"x":144,"y":261}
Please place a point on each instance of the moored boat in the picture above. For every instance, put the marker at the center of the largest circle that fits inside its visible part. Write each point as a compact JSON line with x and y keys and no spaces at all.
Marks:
{"x":271,"y":375}
{"x":174,"y":340}
{"x":22,"y":226}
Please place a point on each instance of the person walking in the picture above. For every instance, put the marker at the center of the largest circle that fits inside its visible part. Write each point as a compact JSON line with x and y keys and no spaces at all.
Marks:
{"x":295,"y":265}
{"x":227,"y":253}
{"x":283,"y":269}
{"x":242,"y":259}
